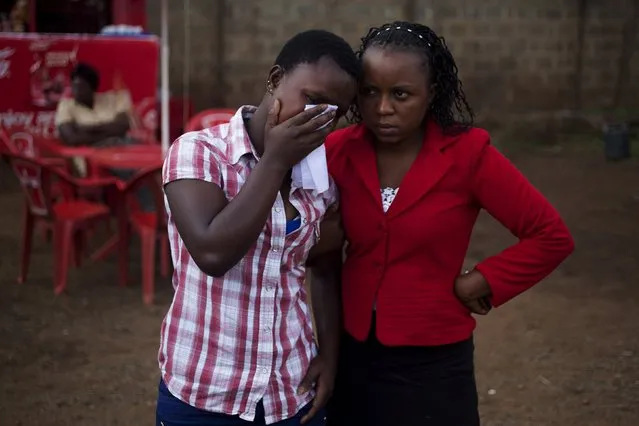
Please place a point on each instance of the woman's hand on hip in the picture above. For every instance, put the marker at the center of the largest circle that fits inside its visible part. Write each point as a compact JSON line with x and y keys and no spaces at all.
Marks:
{"x":472,"y":289}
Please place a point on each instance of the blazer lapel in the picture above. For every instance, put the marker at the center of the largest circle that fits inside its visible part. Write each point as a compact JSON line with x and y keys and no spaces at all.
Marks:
{"x":427,"y":170}
{"x":364,"y":162}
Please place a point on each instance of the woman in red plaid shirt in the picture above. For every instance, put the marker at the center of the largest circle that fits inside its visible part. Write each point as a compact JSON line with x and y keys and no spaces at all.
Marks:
{"x":237,"y":343}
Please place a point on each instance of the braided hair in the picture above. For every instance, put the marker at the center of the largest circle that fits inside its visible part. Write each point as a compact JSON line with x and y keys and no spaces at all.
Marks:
{"x":449,"y":107}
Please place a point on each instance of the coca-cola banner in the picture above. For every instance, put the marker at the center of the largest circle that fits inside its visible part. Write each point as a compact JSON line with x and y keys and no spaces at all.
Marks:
{"x":35,"y":68}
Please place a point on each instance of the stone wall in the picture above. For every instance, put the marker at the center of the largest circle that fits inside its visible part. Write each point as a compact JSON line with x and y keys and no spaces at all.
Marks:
{"x":513,"y":55}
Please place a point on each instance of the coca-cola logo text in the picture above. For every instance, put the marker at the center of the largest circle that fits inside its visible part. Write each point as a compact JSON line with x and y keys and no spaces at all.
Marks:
{"x":5,"y":63}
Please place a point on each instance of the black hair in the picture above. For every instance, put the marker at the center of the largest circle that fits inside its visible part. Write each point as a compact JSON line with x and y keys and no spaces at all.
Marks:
{"x":449,"y":107}
{"x":87,"y":73}
{"x":310,"y":46}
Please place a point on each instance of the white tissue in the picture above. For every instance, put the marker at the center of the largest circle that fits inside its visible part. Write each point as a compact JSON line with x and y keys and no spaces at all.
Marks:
{"x":312,"y":171}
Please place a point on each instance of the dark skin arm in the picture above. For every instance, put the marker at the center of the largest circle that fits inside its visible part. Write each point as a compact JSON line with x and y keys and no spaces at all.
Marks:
{"x":218,"y":233}
{"x":74,"y":134}
{"x":118,"y":127}
{"x":325,"y":296}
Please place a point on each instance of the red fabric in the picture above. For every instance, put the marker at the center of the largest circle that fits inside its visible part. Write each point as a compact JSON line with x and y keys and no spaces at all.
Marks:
{"x":229,"y":342}
{"x":407,"y":259}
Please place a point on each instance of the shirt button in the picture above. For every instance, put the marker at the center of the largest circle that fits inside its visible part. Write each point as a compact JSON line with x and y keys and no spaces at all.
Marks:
{"x":305,"y":221}
{"x":265,"y":370}
{"x":275,"y":249}
{"x":278,"y":210}
{"x":267,"y":329}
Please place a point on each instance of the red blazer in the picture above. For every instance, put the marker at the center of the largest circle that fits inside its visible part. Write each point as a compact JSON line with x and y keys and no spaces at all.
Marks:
{"x":406,"y":260}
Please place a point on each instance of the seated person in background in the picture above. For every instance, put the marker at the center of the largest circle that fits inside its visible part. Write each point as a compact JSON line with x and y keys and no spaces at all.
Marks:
{"x":91,"y":118}
{"x":96,"y":119}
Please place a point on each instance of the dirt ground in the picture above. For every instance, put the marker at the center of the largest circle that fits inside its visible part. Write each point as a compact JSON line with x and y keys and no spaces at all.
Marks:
{"x":566,"y":353}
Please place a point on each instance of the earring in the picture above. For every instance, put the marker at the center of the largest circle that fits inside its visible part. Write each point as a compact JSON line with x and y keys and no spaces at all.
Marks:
{"x":269,"y":87}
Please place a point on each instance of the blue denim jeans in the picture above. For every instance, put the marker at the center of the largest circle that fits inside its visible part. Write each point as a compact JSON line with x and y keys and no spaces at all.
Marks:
{"x":173,"y":412}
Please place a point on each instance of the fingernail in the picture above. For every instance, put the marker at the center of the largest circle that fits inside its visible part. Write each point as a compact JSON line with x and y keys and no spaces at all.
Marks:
{"x":301,"y":391}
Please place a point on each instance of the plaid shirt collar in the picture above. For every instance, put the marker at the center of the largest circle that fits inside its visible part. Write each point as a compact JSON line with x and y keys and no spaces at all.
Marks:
{"x":237,"y":139}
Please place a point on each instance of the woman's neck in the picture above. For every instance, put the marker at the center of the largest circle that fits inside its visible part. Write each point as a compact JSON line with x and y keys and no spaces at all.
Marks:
{"x":255,"y":128}
{"x":410,"y":144}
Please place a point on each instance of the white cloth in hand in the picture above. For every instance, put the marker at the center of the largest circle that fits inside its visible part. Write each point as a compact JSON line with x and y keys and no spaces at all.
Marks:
{"x":312,"y":171}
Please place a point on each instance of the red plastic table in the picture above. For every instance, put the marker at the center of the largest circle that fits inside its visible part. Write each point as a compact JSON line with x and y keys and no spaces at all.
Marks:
{"x":55,"y":147}
{"x":132,"y":157}
{"x":135,"y":157}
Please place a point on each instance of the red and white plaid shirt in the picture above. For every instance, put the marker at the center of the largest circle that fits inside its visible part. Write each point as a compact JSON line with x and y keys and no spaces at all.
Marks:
{"x":229,"y":342}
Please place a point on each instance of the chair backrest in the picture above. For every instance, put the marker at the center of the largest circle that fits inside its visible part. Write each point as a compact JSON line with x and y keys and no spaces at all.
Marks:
{"x":35,"y":180}
{"x":150,"y":179}
{"x":24,"y":144}
{"x":209,"y":118}
{"x":20,"y":142}
{"x":143,"y":118}
{"x":5,"y":142}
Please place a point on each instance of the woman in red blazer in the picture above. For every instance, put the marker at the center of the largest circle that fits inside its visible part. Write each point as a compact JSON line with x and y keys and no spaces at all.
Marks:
{"x":413,"y":176}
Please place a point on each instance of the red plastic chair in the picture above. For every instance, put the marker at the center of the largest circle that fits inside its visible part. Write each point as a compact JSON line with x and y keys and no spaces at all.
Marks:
{"x":67,"y":217}
{"x":28,"y":145}
{"x":209,"y":118}
{"x":18,"y":143}
{"x":25,"y":144}
{"x":144,"y":120}
{"x":149,"y":226}
{"x":5,"y":142}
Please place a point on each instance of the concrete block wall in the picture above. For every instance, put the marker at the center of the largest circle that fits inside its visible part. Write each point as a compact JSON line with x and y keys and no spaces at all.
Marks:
{"x":513,"y":55}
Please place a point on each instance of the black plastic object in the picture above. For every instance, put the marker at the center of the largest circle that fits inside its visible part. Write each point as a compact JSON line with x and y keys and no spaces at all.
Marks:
{"x":616,"y":139}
